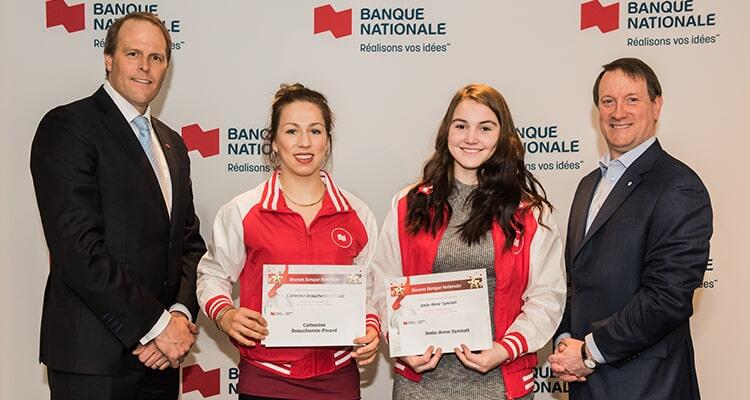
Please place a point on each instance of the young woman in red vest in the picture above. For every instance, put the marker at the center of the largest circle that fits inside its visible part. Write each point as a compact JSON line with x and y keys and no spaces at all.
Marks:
{"x":477,"y":206}
{"x":298,"y":216}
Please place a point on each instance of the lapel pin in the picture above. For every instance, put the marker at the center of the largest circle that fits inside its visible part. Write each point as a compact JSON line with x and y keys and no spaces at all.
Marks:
{"x":629,"y":182}
{"x":167,"y":146}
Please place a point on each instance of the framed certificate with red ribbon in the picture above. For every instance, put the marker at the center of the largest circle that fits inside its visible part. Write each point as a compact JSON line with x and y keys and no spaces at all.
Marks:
{"x":313,"y":305}
{"x":443,"y":310}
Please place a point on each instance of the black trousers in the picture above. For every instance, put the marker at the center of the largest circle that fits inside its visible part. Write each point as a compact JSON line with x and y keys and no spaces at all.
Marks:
{"x":142,"y":384}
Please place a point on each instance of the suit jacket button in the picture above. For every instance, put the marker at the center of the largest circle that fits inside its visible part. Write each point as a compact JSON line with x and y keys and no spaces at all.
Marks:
{"x":164,"y":283}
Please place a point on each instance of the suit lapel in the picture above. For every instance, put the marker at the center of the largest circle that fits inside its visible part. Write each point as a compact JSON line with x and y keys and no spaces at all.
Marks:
{"x":622,"y":190}
{"x":120,"y":129}
{"x":619,"y":193}
{"x":169,"y":154}
{"x":580,"y":209}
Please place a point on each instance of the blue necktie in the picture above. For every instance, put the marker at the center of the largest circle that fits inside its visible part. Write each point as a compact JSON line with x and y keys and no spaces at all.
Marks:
{"x":144,"y":136}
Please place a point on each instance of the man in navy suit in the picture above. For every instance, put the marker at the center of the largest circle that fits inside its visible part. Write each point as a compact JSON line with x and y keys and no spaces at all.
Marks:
{"x":115,"y":199}
{"x":637,"y":247}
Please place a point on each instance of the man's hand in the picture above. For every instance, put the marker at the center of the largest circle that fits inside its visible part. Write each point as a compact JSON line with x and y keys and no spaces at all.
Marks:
{"x":425,"y":362}
{"x":244,"y":326}
{"x":485,"y":360}
{"x":193,"y":327}
{"x":177,"y":338}
{"x":566,"y":361}
{"x":366,"y":354}
{"x":151,"y":357}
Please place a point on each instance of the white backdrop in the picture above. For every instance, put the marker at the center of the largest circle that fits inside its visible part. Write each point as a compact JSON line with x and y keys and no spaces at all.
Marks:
{"x":233,"y":54}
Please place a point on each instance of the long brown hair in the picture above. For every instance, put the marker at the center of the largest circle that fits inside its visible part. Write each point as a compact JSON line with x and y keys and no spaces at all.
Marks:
{"x":504,"y":181}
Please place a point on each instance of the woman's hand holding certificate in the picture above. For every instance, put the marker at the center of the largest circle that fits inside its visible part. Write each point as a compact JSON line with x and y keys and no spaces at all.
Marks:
{"x":369,"y":349}
{"x":485,"y":360}
{"x":245,"y":326}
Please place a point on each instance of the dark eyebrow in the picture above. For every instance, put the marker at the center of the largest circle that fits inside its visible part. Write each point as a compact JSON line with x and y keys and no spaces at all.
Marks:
{"x":626,"y":95}
{"x":488,"y":121}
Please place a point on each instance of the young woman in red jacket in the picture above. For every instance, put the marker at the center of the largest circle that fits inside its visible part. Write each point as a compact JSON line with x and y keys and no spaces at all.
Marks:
{"x":298,"y":216}
{"x":477,"y":206}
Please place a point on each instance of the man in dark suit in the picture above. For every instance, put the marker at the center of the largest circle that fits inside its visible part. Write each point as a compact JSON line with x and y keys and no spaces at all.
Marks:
{"x":116,"y":204}
{"x":637,"y":247}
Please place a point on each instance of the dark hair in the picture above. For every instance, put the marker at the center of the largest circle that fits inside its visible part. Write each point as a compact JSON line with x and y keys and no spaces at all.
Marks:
{"x":504,"y":181}
{"x":635,"y":69}
{"x":288,"y":94}
{"x":110,"y":42}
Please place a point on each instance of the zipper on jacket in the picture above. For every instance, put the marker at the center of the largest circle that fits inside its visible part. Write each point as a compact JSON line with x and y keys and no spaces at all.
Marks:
{"x":308,"y":242}
{"x":308,"y":235}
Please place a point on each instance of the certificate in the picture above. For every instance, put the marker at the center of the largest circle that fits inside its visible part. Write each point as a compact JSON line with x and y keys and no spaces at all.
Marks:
{"x":443,"y":310}
{"x":313,"y":305}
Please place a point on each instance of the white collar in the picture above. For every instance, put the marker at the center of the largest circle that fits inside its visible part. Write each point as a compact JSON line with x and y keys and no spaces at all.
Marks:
{"x":126,"y":109}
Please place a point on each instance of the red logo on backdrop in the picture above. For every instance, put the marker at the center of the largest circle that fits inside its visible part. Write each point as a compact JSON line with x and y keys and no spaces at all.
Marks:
{"x":341,"y":237}
{"x":205,"y":382}
{"x":593,"y":14}
{"x":72,"y":18}
{"x":339,"y":23}
{"x":206,"y":142}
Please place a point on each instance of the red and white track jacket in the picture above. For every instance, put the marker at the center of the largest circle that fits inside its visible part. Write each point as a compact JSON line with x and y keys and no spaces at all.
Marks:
{"x":258,"y":228}
{"x":529,"y":292}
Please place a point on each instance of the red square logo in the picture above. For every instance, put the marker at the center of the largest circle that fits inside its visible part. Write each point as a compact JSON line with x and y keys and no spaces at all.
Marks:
{"x":339,"y":23}
{"x":206,"y":142}
{"x":72,"y":18}
{"x":205,"y":382}
{"x":607,"y":18}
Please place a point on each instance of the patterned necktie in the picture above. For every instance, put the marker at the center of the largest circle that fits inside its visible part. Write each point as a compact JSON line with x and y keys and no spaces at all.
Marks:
{"x":144,"y":136}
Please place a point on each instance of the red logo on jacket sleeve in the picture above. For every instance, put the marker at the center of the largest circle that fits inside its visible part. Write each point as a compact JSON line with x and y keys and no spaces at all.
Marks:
{"x":206,"y":142}
{"x":72,"y":18}
{"x":339,"y":23}
{"x":605,"y":18}
{"x":205,"y":382}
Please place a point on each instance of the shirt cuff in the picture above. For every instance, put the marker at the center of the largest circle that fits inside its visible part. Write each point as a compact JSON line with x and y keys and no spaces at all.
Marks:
{"x":157,"y":329}
{"x":595,"y":353}
{"x":560,"y":337}
{"x":181,"y":308}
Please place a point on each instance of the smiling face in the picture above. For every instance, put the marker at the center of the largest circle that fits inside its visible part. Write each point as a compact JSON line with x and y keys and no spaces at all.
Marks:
{"x":627,"y":115}
{"x":137,"y":67}
{"x":472,"y":139}
{"x":301,"y":139}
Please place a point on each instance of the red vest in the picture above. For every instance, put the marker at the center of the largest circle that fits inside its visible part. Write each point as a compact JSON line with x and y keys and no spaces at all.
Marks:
{"x":418,"y":252}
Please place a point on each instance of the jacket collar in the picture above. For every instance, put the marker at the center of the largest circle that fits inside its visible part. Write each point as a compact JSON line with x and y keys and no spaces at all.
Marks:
{"x":128,"y":110}
{"x":622,"y":190}
{"x":333,"y":201}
